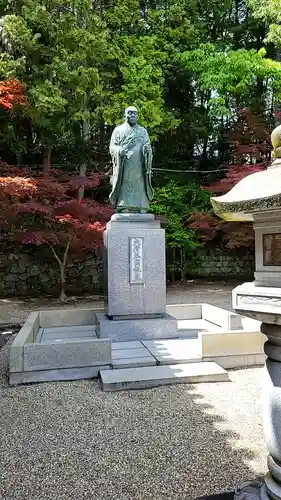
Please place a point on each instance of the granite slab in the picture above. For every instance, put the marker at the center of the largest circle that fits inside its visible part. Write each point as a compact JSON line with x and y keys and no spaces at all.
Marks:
{"x":130,"y":353}
{"x":134,"y":362}
{"x":153,"y":376}
{"x":174,"y":351}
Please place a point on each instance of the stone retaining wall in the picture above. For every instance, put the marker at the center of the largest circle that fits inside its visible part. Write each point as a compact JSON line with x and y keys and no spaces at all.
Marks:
{"x":35,"y":272}
{"x":224,"y":264}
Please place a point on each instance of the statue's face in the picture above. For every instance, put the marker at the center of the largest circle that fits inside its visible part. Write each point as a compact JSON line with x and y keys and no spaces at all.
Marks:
{"x":132,"y":116}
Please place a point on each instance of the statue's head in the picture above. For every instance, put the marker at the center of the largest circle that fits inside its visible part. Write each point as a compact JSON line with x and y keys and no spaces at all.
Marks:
{"x":131,"y":115}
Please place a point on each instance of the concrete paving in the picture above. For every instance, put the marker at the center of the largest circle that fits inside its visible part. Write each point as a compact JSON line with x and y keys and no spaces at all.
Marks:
{"x":139,"y":352}
{"x":133,"y":344}
{"x":192,"y":326}
{"x":131,"y":355}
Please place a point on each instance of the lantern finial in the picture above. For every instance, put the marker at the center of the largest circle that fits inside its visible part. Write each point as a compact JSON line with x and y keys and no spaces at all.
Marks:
{"x":276,"y":142}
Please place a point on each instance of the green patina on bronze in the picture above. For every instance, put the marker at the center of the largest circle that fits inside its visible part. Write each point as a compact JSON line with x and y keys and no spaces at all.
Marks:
{"x":131,"y":154}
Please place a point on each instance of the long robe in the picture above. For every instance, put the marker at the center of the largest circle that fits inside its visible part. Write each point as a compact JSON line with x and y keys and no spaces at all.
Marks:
{"x":131,"y":179}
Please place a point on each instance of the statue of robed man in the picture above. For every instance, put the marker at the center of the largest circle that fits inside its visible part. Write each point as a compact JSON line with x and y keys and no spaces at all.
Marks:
{"x":131,"y":154}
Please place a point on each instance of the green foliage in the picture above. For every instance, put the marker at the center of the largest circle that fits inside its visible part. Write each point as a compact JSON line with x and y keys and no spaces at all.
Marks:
{"x":62,"y":51}
{"x":186,"y":65}
{"x":229,"y":74}
{"x":269,"y":11}
{"x":82,"y":64}
{"x":189,"y":66}
{"x":175,"y":203}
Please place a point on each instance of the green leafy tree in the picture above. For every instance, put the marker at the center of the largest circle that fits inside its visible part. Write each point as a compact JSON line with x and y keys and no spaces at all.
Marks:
{"x":174,"y":204}
{"x":270,"y":12}
{"x":59,"y":53}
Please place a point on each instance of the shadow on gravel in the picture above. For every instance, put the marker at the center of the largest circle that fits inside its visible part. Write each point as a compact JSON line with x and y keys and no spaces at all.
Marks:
{"x":71,"y":440}
{"x":219,"y":466}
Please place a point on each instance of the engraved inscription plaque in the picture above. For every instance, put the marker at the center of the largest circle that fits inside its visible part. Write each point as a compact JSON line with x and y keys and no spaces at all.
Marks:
{"x":272,"y":249}
{"x":136,"y":260}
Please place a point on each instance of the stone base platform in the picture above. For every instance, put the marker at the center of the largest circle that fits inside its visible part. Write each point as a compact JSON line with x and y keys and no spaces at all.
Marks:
{"x":136,"y":329}
{"x":65,"y":345}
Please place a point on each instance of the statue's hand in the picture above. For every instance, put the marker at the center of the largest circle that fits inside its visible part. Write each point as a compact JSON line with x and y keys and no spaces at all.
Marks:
{"x":122,"y":151}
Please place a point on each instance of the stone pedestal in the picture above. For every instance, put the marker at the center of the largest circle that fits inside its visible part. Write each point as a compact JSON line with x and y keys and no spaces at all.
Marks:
{"x":135,"y":267}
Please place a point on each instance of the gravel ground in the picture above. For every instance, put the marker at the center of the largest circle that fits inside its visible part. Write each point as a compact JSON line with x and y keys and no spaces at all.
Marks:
{"x":15,"y":310}
{"x":71,"y":441}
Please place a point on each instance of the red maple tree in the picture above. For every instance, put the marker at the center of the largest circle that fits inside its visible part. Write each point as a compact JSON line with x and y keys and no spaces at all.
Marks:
{"x":250,"y":144}
{"x":222,"y":233}
{"x":12,"y":92}
{"x":234,"y":174}
{"x":40,"y":210}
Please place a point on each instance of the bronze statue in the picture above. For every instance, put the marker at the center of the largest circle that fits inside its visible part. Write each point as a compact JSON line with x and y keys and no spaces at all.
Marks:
{"x":131,"y":154}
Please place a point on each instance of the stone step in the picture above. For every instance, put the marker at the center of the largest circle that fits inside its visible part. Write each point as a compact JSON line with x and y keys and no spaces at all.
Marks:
{"x":153,"y":376}
{"x":131,"y":355}
{"x":134,"y":362}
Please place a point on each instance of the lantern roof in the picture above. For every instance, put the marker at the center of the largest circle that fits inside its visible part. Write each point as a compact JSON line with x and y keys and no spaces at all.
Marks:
{"x":258,"y":192}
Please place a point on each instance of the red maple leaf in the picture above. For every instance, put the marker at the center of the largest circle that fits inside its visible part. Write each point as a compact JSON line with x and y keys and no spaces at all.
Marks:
{"x":12,"y":93}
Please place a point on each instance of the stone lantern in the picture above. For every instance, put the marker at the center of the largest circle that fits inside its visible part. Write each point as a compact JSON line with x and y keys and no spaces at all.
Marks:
{"x":257,"y":198}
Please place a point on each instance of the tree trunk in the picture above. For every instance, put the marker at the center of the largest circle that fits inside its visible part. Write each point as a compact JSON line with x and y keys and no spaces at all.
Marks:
{"x":86,"y":137}
{"x":173,"y":268}
{"x":19,"y":159}
{"x":62,"y":266}
{"x":62,"y":283}
{"x":277,"y":106}
{"x":47,"y":160}
{"x":81,"y":190}
{"x":205,"y":145}
{"x":182,"y":264}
